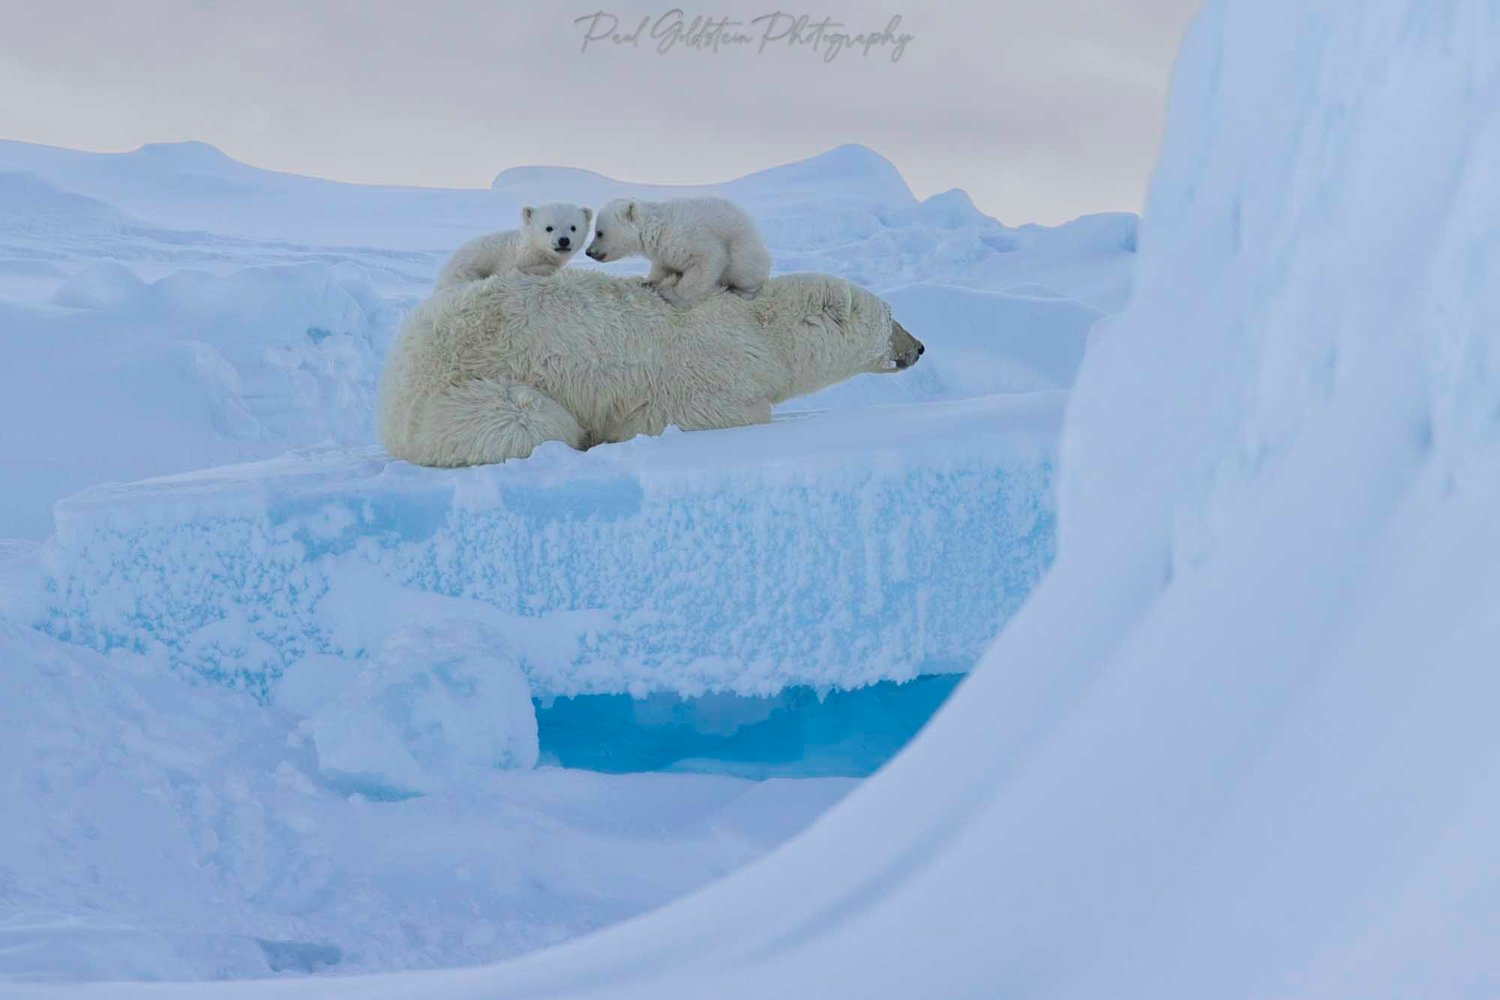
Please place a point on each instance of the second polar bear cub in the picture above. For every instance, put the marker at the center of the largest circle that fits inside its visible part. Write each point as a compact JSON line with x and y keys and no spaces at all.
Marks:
{"x":549,"y":236}
{"x":695,"y":245}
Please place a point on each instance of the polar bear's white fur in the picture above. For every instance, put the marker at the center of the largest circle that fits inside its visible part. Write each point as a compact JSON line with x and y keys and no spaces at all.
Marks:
{"x":549,"y":236}
{"x":695,"y":245}
{"x":487,"y":371}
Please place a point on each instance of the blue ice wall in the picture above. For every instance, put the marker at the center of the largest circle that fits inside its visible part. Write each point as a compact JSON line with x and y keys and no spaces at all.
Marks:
{"x":826,"y":553}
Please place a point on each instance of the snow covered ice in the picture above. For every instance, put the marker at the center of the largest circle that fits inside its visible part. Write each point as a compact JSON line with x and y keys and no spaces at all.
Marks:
{"x":161,"y":830}
{"x":830,"y":550}
{"x":340,"y":703}
{"x":437,"y":706}
{"x":214,"y":313}
{"x":1240,"y":739}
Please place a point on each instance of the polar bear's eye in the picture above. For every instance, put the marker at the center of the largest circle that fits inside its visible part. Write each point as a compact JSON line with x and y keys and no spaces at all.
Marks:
{"x":572,"y":229}
{"x":549,"y":229}
{"x":599,"y":235}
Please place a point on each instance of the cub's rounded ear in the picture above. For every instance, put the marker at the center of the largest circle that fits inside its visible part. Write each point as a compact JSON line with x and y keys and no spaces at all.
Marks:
{"x":588,"y":217}
{"x":630,"y":211}
{"x":526,"y":214}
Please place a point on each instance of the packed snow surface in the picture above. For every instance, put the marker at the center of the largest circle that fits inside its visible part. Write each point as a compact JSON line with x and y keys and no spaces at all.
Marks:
{"x":293,"y":709}
{"x":161,"y":830}
{"x":1240,"y":741}
{"x":171,"y":309}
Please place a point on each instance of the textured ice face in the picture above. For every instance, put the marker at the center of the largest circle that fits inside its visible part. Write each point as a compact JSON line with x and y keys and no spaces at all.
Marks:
{"x":558,"y":227}
{"x":622,"y":525}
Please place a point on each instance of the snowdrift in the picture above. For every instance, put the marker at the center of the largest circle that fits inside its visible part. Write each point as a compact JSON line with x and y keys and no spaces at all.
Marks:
{"x":118,"y":378}
{"x":160,"y":830}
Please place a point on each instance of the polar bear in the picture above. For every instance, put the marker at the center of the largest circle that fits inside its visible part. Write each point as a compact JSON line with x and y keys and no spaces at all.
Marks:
{"x":695,"y":245}
{"x":487,"y":371}
{"x":549,"y":236}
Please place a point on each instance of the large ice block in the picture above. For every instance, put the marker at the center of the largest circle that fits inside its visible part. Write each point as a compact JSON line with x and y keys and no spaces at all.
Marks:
{"x":828,"y":550}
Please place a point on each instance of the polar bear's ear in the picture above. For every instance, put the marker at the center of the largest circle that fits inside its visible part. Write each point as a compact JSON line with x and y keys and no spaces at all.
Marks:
{"x":588,"y":217}
{"x":630,"y":211}
{"x":838,"y":301}
{"x":526,"y":214}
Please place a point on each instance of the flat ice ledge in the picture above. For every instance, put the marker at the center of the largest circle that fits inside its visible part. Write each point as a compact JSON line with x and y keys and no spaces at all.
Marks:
{"x":832,"y":550}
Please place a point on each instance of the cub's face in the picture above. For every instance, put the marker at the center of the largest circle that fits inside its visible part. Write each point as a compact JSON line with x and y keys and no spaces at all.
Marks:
{"x":617,"y":233}
{"x":560,"y":228}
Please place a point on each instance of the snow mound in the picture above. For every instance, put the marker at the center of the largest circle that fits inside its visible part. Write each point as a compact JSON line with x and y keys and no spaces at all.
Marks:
{"x":850,"y":173}
{"x":102,"y":285}
{"x":136,"y":379}
{"x":29,"y":206}
{"x":440,"y":703}
{"x":207,"y":195}
{"x":832,"y":551}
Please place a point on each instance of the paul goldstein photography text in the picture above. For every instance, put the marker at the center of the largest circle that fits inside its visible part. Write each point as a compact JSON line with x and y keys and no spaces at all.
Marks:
{"x":677,"y":30}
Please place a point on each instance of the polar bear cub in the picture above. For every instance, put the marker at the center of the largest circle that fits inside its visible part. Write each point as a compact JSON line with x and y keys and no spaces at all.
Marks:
{"x":549,"y":236}
{"x":695,"y":245}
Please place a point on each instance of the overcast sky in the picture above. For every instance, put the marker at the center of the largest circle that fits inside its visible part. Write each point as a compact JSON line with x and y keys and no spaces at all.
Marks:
{"x":1041,"y":109}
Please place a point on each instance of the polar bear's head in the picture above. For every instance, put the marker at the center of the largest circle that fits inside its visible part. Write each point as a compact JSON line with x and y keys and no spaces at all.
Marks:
{"x":618,"y":231}
{"x":827,"y":329}
{"x":559,"y":229}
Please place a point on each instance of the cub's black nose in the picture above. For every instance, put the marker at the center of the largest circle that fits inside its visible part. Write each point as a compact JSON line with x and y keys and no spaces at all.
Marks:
{"x":563,"y":242}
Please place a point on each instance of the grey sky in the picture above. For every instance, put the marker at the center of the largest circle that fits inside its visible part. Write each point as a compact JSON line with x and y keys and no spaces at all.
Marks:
{"x":1041,"y":109}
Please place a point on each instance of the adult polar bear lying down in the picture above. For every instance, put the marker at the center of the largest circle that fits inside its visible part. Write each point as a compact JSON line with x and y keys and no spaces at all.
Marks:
{"x":486,"y":371}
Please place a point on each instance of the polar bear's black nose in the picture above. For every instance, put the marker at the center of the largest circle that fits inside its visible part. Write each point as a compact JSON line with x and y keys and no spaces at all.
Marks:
{"x":564,"y":242}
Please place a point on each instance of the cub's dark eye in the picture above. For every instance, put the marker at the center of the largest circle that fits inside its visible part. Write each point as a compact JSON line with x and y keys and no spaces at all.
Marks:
{"x":572,"y":229}
{"x":549,"y":229}
{"x":599,"y":235}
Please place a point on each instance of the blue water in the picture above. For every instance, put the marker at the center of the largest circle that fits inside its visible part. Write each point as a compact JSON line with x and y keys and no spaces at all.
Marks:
{"x":797,"y":733}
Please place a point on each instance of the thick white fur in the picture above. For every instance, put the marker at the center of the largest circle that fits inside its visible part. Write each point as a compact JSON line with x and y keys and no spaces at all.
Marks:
{"x":534,"y":249}
{"x":696,"y":245}
{"x":487,"y":371}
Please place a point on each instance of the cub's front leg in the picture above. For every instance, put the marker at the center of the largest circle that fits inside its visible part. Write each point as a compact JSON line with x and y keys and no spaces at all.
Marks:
{"x":700,"y":278}
{"x":661,"y":276}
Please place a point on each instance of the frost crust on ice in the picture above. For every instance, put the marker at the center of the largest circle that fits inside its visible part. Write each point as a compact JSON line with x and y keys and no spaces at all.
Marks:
{"x":832,"y":551}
